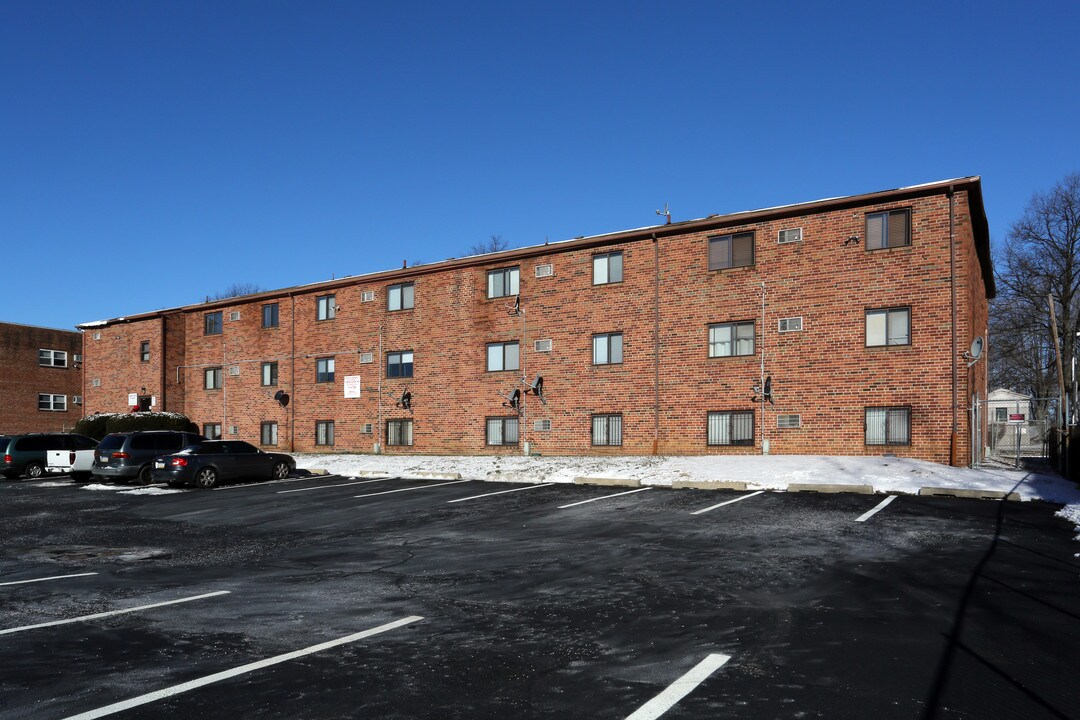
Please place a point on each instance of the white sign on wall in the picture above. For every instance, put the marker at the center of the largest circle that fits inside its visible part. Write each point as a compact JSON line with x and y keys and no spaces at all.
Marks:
{"x":352,"y":386}
{"x":133,"y":399}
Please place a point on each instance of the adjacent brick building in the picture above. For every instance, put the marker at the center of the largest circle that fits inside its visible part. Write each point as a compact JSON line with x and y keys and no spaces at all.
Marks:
{"x":656,"y":340}
{"x":40,"y":379}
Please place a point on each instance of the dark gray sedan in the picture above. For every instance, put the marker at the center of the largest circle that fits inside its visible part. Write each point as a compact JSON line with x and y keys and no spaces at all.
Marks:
{"x":218,"y":461}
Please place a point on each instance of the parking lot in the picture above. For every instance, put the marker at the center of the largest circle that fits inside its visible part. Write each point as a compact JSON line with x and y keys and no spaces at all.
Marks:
{"x":333,"y":597}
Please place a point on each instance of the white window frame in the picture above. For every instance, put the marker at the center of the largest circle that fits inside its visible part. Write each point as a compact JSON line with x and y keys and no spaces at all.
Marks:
{"x":789,"y":324}
{"x":48,"y":402}
{"x":52,"y":358}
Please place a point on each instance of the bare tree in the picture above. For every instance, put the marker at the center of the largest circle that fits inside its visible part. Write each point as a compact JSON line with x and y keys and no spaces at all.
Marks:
{"x":236,"y":290}
{"x":495,"y":244}
{"x":1040,"y":260}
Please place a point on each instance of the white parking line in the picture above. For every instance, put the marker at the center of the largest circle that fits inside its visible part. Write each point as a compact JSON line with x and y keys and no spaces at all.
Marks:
{"x":605,"y":497}
{"x":502,"y":492}
{"x":95,"y":616}
{"x":54,"y":577}
{"x":880,"y":506}
{"x":324,"y":487}
{"x":419,"y":487}
{"x":226,"y":674}
{"x":679,"y":689}
{"x":726,"y":502}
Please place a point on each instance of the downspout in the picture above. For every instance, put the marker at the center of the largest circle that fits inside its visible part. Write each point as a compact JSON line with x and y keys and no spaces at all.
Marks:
{"x":164,"y":406}
{"x":953,"y":438}
{"x":656,"y":346}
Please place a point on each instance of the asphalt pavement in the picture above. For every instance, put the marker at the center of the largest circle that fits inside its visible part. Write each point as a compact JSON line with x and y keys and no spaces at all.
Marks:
{"x":329,"y":597}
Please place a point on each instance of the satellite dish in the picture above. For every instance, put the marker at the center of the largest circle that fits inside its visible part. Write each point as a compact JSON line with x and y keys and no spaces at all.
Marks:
{"x":976,"y":348}
{"x":282,"y":397}
{"x":405,"y":403}
{"x":537,"y":389}
{"x":515,"y":400}
{"x":767,"y":395}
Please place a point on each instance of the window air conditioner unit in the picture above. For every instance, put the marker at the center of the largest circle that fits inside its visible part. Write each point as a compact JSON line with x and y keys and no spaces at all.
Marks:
{"x":234,"y":316}
{"x":367,"y":357}
{"x":789,"y":236}
{"x":367,"y":296}
{"x":542,"y":346}
{"x":544,"y":270}
{"x":76,"y":399}
{"x":234,"y":370}
{"x":793,"y":324}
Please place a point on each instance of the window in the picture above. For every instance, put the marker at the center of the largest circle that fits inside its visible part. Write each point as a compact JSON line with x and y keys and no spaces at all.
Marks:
{"x":52,"y":358}
{"x":502,"y":431}
{"x":503,"y":356}
{"x":144,"y":351}
{"x":57,"y":403}
{"x":503,"y":282}
{"x":399,"y":432}
{"x":212,"y":323}
{"x":888,"y":426}
{"x":269,"y":373}
{"x":399,"y":364}
{"x":729,"y":251}
{"x":324,"y":370}
{"x":400,"y":297}
{"x":888,"y":229}
{"x":325,"y":307}
{"x":607,"y":268}
{"x":888,"y":326}
{"x":270,"y":315}
{"x":731,"y":339}
{"x":789,"y":236}
{"x":268,"y":433}
{"x":212,"y":378}
{"x":211,"y":431}
{"x":324,"y":432}
{"x":731,"y":428}
{"x":607,"y":429}
{"x":1001,"y":414}
{"x":607,"y":349}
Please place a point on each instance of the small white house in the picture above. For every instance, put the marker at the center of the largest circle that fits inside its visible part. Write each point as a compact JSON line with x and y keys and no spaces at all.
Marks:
{"x":1002,"y":403}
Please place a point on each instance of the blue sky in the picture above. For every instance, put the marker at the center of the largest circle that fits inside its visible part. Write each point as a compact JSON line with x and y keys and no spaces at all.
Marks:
{"x":154,"y":153}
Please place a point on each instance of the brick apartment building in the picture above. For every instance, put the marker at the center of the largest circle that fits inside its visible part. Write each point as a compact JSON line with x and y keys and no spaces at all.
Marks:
{"x":860,"y":309}
{"x":40,"y":379}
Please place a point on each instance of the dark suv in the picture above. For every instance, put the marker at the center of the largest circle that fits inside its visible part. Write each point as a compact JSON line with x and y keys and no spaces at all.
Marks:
{"x":130,"y":455}
{"x":26,"y":454}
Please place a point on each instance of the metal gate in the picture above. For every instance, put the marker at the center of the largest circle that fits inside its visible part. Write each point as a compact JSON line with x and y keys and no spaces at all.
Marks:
{"x":1012,"y":434}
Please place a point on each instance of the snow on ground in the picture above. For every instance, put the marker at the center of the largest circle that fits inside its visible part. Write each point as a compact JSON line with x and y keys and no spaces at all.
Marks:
{"x":771,"y":472}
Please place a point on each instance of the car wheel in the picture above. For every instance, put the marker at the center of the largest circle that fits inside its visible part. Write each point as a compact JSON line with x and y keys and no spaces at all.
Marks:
{"x":281,"y":470}
{"x":206,"y":478}
{"x":34,"y":470}
{"x":146,"y":475}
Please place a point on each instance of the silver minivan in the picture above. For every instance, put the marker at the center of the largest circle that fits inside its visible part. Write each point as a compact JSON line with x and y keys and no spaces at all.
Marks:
{"x":127,"y":456}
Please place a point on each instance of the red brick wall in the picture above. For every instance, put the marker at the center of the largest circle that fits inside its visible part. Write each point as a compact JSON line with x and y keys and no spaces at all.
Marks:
{"x":824,"y":373}
{"x":22,"y":379}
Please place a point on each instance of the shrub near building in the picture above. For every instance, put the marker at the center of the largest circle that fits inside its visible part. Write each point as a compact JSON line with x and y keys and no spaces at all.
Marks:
{"x":100,"y":425}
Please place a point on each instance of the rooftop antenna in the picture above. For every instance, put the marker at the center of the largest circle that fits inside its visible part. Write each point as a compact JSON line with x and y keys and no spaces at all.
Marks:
{"x":666,"y":213}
